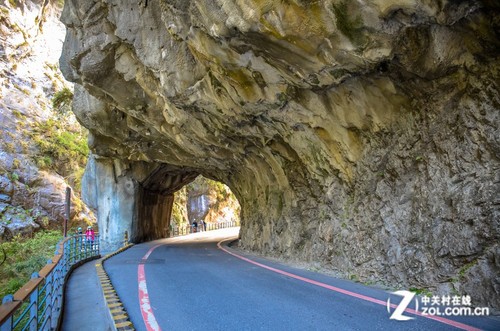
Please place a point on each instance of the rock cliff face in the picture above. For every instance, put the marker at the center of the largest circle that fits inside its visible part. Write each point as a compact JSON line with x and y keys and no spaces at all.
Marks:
{"x":198,"y":206}
{"x":32,"y":193}
{"x":362,"y":136}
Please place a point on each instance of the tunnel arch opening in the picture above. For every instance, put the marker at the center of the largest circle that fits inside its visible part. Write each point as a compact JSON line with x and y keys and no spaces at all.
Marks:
{"x":171,"y":200}
{"x":155,"y":200}
{"x":206,"y":203}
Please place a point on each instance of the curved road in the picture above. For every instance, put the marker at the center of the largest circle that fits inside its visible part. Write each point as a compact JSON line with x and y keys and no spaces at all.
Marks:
{"x":188,"y":283}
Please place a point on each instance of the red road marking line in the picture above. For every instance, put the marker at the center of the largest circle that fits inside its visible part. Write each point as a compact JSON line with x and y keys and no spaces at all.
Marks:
{"x":352,"y":294}
{"x":147,"y":313}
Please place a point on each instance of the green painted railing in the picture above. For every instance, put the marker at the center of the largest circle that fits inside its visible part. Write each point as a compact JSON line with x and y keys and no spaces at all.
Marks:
{"x":38,"y":304}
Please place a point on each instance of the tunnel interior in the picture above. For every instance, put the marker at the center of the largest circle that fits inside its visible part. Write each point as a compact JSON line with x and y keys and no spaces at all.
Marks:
{"x":155,"y":202}
{"x":171,"y":201}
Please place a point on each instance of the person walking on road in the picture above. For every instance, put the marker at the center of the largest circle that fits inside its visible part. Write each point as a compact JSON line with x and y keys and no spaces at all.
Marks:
{"x":90,"y":236}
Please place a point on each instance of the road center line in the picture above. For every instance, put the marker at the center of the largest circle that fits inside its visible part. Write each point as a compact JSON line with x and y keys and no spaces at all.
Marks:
{"x":144,"y":303}
{"x":350,"y":293}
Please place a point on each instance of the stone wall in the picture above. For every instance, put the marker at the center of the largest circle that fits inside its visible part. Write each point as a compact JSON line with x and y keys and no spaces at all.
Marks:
{"x":360,"y":136}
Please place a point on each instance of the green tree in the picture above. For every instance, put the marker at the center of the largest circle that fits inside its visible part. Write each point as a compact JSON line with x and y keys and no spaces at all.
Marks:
{"x":62,"y":101}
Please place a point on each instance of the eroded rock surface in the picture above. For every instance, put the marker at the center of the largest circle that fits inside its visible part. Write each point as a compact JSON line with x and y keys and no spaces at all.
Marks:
{"x":361,"y":136}
{"x":32,"y":197}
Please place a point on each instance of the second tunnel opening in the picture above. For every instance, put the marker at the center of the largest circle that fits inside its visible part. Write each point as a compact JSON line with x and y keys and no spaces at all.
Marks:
{"x":201,"y":205}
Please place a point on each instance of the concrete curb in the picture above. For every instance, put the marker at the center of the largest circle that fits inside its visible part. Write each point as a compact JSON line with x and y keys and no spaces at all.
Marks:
{"x":117,"y":312}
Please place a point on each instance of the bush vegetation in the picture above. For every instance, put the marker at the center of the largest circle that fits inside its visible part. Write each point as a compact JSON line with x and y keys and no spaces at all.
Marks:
{"x":23,"y":257}
{"x":179,"y":211}
{"x":62,"y":148}
{"x":62,"y":100}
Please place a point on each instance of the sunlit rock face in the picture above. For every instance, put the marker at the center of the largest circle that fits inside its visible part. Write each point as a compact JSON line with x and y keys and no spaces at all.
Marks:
{"x":198,"y":207}
{"x":361,"y":136}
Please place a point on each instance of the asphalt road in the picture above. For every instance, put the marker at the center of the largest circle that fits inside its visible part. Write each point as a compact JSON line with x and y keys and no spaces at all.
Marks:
{"x":188,"y":283}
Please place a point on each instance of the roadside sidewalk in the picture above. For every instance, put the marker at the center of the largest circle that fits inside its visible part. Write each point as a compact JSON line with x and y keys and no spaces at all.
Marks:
{"x":84,"y":305}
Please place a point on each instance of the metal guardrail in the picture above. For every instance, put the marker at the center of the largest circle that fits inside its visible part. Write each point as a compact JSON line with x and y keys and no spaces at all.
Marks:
{"x":38,"y":304}
{"x":184,"y":230}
